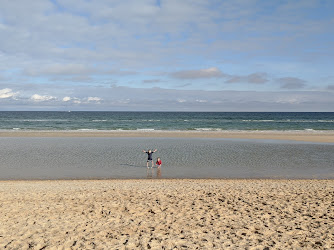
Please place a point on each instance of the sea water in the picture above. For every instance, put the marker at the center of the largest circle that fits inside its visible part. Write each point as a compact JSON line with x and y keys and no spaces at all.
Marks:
{"x":72,"y":158}
{"x":201,"y":121}
{"x":104,"y":158}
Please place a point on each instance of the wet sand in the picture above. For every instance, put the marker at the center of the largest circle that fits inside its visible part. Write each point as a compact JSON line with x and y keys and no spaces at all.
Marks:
{"x":309,"y":136}
{"x":143,"y":214}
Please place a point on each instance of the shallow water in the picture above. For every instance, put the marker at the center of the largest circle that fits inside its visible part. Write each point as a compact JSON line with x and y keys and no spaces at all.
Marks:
{"x":81,"y":158}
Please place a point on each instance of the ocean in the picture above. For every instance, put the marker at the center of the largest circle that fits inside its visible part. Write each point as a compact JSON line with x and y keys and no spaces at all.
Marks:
{"x":107,"y":158}
{"x":202,"y":121}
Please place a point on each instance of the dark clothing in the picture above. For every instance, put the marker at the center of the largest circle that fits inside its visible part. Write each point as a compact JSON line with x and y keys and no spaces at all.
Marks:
{"x":149,"y":156}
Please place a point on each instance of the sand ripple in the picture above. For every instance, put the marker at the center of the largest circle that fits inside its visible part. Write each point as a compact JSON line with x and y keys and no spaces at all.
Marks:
{"x":167,"y":214}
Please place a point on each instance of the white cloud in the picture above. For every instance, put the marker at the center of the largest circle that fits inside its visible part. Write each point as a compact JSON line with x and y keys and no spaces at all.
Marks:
{"x":80,"y":46}
{"x":7,"y":93}
{"x":94,"y":99}
{"x":67,"y":99}
{"x":124,"y":31}
{"x":137,"y":99}
{"x":74,"y":100}
{"x":42,"y":98}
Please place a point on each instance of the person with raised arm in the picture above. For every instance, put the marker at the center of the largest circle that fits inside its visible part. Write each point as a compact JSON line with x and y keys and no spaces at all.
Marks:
{"x":149,"y":156}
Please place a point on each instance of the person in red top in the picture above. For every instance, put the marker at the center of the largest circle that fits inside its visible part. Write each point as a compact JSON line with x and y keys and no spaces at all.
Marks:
{"x":158,"y":163}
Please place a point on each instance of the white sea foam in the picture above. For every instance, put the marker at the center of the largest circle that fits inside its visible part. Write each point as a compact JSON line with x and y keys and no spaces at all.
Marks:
{"x":150,"y":120}
{"x":145,"y":129}
{"x":325,"y":120}
{"x":198,"y":130}
{"x":258,"y":120}
{"x":42,"y":120}
{"x":208,"y":129}
{"x":312,"y":121}
{"x":288,"y":120}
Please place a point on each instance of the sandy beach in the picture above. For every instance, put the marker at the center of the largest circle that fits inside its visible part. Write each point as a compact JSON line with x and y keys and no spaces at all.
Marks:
{"x":167,"y":214}
{"x":309,"y":136}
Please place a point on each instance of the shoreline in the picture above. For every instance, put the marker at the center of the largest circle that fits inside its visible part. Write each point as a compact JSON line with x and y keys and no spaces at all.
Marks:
{"x":307,"y":136}
{"x":168,"y":180}
{"x":207,"y":214}
{"x":187,"y":179}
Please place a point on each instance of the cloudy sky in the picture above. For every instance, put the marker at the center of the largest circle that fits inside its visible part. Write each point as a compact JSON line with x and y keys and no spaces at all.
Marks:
{"x":170,"y":55}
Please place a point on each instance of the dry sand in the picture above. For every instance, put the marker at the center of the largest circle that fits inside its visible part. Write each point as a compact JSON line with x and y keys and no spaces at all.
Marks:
{"x":310,"y":136}
{"x":167,"y":214}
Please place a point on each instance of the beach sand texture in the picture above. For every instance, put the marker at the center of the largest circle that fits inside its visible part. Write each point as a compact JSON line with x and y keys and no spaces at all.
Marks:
{"x":167,"y":214}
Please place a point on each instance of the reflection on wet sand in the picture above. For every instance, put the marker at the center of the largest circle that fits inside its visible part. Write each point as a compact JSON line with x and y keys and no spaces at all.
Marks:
{"x":150,"y":173}
{"x":158,"y":172}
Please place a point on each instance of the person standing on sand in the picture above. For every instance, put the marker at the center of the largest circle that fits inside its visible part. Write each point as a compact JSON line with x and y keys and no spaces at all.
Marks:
{"x":149,"y":156}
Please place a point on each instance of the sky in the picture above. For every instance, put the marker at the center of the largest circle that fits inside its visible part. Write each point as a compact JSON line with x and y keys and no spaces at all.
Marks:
{"x":167,"y":55}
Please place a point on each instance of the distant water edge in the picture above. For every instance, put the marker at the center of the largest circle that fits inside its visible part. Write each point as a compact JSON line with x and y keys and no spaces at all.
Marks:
{"x":167,"y":121}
